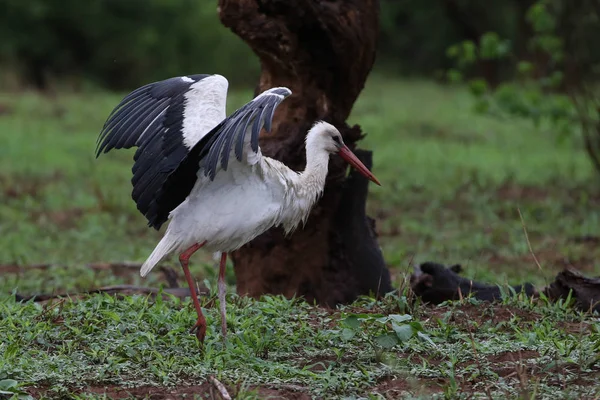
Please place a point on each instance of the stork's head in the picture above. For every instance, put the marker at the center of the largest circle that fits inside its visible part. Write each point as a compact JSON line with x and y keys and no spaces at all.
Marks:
{"x":324,"y":136}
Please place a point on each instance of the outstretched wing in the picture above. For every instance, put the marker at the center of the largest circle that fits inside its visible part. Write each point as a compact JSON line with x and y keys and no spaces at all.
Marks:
{"x":236,"y":136}
{"x":164,"y":120}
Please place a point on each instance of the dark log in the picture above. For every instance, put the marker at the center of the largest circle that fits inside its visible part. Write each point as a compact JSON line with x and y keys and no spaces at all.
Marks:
{"x":585,"y":291}
{"x":434,"y":283}
{"x":358,"y":240}
{"x":323,"y":51}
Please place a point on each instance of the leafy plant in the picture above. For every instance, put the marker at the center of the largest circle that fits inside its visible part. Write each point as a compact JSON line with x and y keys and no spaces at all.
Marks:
{"x":12,"y":388}
{"x":556,"y":80}
{"x":383,"y":332}
{"x":118,"y":44}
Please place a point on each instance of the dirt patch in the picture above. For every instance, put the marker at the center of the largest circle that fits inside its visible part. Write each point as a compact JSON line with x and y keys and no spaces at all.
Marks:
{"x":318,"y":320}
{"x":393,"y":387}
{"x":426,"y":130}
{"x":512,"y":356}
{"x":513,"y":191}
{"x":575,"y":328}
{"x":515,"y":365}
{"x":396,"y":387}
{"x":429,"y":359}
{"x":204,"y":391}
{"x":478,"y":314}
{"x":5,"y":109}
{"x":15,"y":187}
{"x":19,"y":269}
{"x":507,"y":363}
{"x":64,"y":219}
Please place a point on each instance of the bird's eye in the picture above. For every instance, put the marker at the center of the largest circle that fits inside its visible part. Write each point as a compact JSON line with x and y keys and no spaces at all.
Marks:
{"x":337,"y":139}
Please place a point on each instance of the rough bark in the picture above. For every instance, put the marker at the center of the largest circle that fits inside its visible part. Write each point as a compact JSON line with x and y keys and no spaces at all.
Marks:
{"x":323,"y":51}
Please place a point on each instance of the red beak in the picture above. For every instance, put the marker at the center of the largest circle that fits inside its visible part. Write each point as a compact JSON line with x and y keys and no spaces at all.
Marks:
{"x":351,"y":159}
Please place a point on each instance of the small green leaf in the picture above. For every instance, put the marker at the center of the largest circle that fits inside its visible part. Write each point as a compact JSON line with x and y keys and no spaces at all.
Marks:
{"x":556,"y":79}
{"x":352,"y":321}
{"x":6,"y":384}
{"x":403,"y":332}
{"x":525,"y":67}
{"x":469,"y":52}
{"x":347,"y":334}
{"x":399,"y":318}
{"x":540,"y":18}
{"x":482,"y":105}
{"x":11,"y":350}
{"x":387,"y":341}
{"x":452,"y":51}
{"x":492,"y":47}
{"x":478,"y":87}
{"x":112,"y":315}
{"x":454,"y":76}
{"x":416,"y":325}
{"x":425,"y":337}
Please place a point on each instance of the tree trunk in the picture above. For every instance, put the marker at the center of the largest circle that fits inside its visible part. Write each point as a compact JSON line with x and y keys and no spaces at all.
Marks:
{"x":323,"y":51}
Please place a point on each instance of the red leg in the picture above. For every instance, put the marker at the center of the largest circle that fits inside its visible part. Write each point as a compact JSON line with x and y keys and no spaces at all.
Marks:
{"x":184,"y":259}
{"x":222,"y":292}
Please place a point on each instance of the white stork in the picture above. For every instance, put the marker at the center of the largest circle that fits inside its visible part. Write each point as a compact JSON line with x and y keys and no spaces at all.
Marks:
{"x":204,"y":171}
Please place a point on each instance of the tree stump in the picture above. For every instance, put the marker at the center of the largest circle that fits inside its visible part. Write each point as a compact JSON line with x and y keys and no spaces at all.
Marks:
{"x":323,"y":51}
{"x":571,"y":283}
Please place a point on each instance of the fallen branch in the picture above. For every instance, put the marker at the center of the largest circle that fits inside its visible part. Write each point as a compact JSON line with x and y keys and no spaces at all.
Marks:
{"x":220,"y":388}
{"x":169,"y":273}
{"x":295,"y":388}
{"x":114,"y":265}
{"x":527,"y":239}
{"x":15,"y":268}
{"x":170,"y":276}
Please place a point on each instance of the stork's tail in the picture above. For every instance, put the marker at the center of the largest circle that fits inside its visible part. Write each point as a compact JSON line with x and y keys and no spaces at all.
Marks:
{"x":164,"y":247}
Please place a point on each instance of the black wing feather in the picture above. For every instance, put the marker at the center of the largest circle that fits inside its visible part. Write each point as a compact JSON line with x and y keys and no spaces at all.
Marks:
{"x":151,"y":118}
{"x":240,"y":126}
{"x":183,"y":178}
{"x":165,"y":170}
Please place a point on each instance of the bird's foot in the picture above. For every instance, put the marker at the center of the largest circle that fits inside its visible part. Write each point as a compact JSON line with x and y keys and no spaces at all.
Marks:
{"x":200,"y":329}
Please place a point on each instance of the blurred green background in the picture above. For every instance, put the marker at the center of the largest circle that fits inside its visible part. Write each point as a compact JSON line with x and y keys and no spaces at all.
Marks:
{"x":122,"y":44}
{"x":474,"y":110}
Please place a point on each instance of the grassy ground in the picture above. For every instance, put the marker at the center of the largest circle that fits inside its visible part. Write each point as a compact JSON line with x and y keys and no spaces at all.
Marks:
{"x":453,"y":185}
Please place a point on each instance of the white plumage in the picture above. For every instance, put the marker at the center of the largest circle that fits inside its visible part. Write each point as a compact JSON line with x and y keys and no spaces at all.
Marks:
{"x":204,"y":172}
{"x":208,"y":97}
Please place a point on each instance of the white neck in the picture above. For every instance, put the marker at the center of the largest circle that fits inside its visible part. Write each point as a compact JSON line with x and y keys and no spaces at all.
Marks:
{"x":309,"y":184}
{"x":312,"y":179}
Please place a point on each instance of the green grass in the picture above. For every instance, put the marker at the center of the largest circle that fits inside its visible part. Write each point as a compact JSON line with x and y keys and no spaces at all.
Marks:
{"x":453,"y":183}
{"x":368,"y":349}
